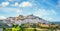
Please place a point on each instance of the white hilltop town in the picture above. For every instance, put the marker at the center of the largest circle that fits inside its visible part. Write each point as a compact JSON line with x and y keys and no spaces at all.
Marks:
{"x":28,"y":20}
{"x":24,"y":19}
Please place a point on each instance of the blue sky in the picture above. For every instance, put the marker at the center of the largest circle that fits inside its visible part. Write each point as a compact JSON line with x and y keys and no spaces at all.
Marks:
{"x":46,"y":9}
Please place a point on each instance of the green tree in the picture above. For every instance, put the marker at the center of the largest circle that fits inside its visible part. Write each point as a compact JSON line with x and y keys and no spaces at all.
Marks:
{"x":34,"y":26}
{"x":52,"y":23}
{"x":22,"y":27}
{"x":15,"y":25}
{"x":4,"y":26}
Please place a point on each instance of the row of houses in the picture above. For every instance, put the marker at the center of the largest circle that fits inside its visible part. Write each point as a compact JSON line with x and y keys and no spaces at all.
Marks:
{"x":25,"y":19}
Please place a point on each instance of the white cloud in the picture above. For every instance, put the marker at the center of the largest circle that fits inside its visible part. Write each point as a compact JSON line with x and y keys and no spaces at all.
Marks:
{"x":13,"y":0}
{"x":16,"y":4}
{"x":18,"y":11}
{"x":2,"y":17}
{"x":11,"y":10}
{"x":54,"y":12}
{"x":5,"y":4}
{"x":48,"y":18}
{"x":8,"y":9}
{"x":24,"y":4}
{"x":10,"y":0}
{"x":45,"y":14}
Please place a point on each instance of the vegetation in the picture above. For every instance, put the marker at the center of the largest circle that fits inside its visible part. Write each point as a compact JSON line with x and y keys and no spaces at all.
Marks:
{"x":26,"y":27}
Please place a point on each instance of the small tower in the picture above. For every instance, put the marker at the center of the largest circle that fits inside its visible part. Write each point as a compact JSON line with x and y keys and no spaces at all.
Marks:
{"x":31,"y":14}
{"x":20,"y":17}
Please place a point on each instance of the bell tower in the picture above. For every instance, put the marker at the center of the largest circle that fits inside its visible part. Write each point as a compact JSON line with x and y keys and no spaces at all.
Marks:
{"x":20,"y":17}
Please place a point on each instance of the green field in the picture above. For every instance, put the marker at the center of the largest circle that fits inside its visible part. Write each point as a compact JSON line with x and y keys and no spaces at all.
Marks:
{"x":24,"y":29}
{"x":27,"y":27}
